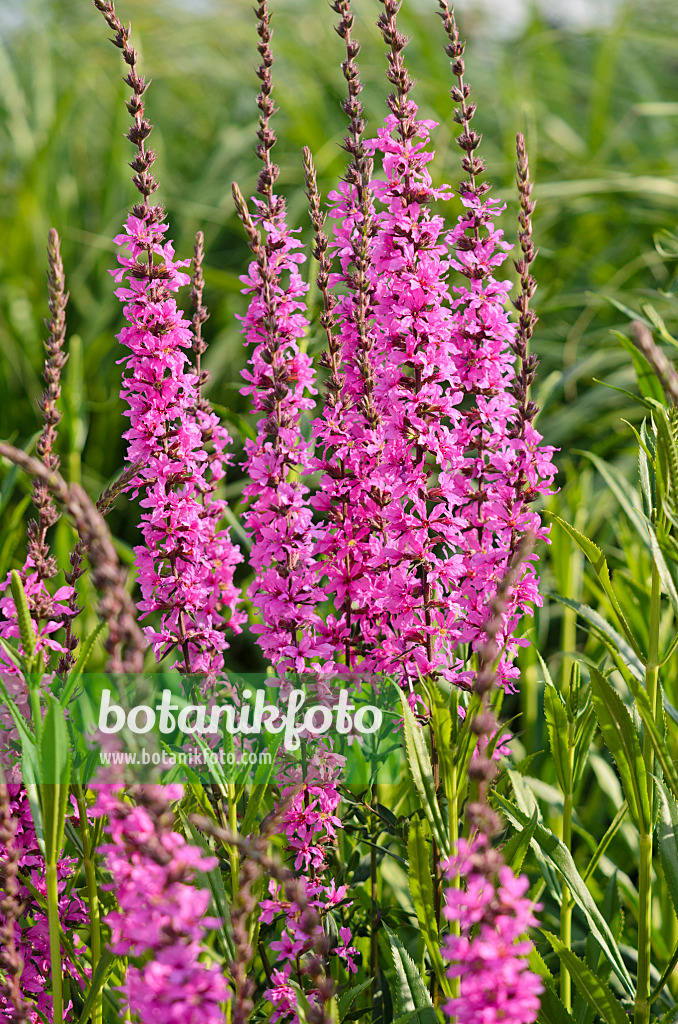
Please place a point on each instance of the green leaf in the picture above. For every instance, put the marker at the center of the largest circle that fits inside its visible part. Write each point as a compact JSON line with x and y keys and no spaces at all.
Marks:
{"x":648,"y":383}
{"x":421,"y":890}
{"x":608,"y":632}
{"x":644,"y":459}
{"x":625,"y":494}
{"x":346,"y":998}
{"x":411,"y":992}
{"x":667,"y":449}
{"x":217,"y":889}
{"x":664,"y":573}
{"x":515,"y":849}
{"x":606,"y":840}
{"x":622,"y":741}
{"x":17,"y":659}
{"x":79,"y":667}
{"x":262,"y":779}
{"x":104,"y":968}
{"x":556,"y":723}
{"x":559,"y":855}
{"x":551,"y":1010}
{"x":55,"y":766}
{"x":667,"y":835}
{"x":597,"y":560}
{"x":422,"y":774}
{"x":26,"y":630}
{"x":646,"y":712}
{"x":594,"y":991}
{"x":586,"y":726}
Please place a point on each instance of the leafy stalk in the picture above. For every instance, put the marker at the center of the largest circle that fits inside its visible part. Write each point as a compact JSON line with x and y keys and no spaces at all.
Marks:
{"x":567,"y":903}
{"x":54,"y":943}
{"x":88,"y":854}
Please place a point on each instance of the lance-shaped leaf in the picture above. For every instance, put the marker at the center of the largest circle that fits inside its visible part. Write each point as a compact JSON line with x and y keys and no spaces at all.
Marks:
{"x":515,"y":849}
{"x":667,"y":834}
{"x":556,"y":723}
{"x":421,"y":890}
{"x":595,"y":992}
{"x":662,"y":753}
{"x":625,"y":494}
{"x":608,"y":632}
{"x":55,"y":770}
{"x":597,"y":560}
{"x":558,"y":854}
{"x":422,"y":774}
{"x":667,"y":449}
{"x":411,"y":992}
{"x":80,"y":665}
{"x":622,"y":741}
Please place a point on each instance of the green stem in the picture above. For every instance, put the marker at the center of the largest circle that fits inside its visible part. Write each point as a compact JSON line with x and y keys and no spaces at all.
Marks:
{"x":566,"y":910}
{"x":566,"y":903}
{"x":88,"y":853}
{"x":54,"y":944}
{"x":233,"y":855}
{"x":453,"y":810}
{"x":374,"y":897}
{"x":641,"y":1013}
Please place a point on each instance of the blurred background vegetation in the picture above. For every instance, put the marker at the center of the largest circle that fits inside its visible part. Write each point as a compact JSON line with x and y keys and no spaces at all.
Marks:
{"x":594,"y":86}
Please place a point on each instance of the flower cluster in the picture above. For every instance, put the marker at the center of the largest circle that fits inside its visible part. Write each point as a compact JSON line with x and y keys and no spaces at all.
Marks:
{"x":160,"y":912}
{"x":347,"y":430}
{"x":185,"y":566}
{"x":449,"y":464}
{"x":302,"y":914}
{"x":489,"y":953}
{"x":280,"y":380}
{"x":31,"y":932}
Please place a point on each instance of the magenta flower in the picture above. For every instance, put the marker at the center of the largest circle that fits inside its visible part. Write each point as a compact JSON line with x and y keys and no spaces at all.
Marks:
{"x":345,"y":951}
{"x":185,"y":566}
{"x":161,"y":914}
{"x":490,"y":954}
{"x":32,"y":932}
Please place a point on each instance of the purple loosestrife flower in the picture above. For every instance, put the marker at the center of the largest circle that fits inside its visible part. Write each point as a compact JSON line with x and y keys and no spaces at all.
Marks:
{"x":457,"y":451}
{"x":489,"y":956}
{"x":507,"y":467}
{"x":301,"y":933}
{"x":185,"y":566}
{"x":280,"y":380}
{"x":31,"y":932}
{"x":160,"y":921}
{"x":347,"y":432}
